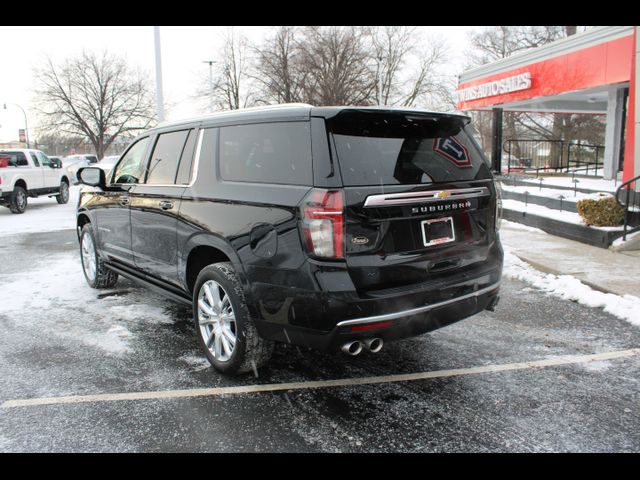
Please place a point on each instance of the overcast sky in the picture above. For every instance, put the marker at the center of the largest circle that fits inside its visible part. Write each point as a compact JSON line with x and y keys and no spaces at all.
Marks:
{"x":183,"y":51}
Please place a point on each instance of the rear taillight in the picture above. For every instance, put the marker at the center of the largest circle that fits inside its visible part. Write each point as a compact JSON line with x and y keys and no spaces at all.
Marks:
{"x":323,"y":223}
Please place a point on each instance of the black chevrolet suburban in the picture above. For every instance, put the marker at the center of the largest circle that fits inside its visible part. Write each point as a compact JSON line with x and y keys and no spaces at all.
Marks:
{"x":337,"y":228}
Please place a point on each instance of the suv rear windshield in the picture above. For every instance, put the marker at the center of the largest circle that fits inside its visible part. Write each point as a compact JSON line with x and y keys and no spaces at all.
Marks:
{"x":389,"y":148}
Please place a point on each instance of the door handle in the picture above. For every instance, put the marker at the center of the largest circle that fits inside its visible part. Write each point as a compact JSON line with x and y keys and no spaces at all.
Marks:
{"x":166,"y":205}
{"x":124,"y":201}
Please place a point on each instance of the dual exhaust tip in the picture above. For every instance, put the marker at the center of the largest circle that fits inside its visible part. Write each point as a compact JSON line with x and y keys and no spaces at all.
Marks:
{"x":354,"y":347}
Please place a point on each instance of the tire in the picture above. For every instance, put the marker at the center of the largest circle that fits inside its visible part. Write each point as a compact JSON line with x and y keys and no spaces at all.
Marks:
{"x":227,"y":336}
{"x":18,"y":200}
{"x":96,"y":274}
{"x":63,"y":196}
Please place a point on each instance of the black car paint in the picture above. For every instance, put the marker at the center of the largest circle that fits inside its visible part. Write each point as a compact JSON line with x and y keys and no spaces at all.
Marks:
{"x":293,"y":297}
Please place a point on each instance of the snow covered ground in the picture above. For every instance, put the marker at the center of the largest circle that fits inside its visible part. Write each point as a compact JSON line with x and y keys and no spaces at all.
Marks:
{"x":551,"y":193}
{"x":45,"y":296}
{"x":43,"y":214}
{"x":567,"y":287}
{"x":595,"y":184}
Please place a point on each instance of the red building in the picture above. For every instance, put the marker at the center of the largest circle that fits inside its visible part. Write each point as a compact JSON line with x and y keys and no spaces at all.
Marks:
{"x":590,"y":72}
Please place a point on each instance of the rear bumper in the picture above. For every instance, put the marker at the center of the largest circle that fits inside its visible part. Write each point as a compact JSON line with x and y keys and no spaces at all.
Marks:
{"x":395,"y":325}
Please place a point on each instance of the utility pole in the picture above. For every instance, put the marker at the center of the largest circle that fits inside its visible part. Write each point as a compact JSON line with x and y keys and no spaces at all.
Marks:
{"x":210,"y":62}
{"x":159,"y":98}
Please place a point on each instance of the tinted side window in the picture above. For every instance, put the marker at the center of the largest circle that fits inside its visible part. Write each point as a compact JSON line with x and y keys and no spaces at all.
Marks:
{"x":35,"y":159}
{"x":266,"y":153}
{"x":165,"y":157}
{"x":131,"y":167}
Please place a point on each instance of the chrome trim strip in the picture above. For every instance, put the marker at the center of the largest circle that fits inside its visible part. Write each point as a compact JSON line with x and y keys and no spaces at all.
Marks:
{"x":424,"y":197}
{"x":414,"y":311}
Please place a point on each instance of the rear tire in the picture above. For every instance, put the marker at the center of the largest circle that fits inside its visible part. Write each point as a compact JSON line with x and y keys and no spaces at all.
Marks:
{"x":96,"y":274}
{"x":18,"y":200}
{"x":63,"y":196}
{"x":226,"y":333}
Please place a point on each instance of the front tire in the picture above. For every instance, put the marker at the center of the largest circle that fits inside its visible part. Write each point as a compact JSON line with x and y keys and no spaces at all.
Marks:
{"x":18,"y":200}
{"x":63,"y":196}
{"x":226,"y":334}
{"x":96,"y":274}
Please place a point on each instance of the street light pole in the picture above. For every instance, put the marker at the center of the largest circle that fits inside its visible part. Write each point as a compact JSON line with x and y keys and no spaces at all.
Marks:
{"x":210,"y":62}
{"x":26,"y":127}
{"x":159,"y":97}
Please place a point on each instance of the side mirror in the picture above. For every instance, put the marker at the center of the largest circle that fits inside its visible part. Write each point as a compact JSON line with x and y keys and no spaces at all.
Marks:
{"x":92,"y":176}
{"x":55,"y":164}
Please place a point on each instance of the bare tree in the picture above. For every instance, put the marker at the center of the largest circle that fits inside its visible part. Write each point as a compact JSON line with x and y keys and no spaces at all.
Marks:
{"x":97,"y":97}
{"x":494,"y":43}
{"x":279,"y":68}
{"x":334,"y":60}
{"x":231,"y":89}
{"x":397,"y":49}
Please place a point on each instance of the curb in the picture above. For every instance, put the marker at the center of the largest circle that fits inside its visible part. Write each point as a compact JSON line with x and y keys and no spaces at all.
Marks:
{"x":546,"y":269}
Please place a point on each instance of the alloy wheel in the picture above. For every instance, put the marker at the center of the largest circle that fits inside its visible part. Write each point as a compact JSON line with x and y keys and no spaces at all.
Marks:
{"x":88,"y":257}
{"x":217,"y":320}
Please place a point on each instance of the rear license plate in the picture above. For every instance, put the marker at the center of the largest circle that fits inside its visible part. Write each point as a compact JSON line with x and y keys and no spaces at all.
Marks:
{"x":437,"y":231}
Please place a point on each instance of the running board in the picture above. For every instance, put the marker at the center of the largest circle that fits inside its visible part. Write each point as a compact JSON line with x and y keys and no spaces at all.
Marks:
{"x":144,"y":280}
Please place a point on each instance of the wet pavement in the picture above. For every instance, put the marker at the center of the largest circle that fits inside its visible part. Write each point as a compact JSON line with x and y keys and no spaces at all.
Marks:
{"x":60,"y":338}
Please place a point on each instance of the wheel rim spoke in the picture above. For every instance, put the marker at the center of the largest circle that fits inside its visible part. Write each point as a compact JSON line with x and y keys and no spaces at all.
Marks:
{"x":217,"y":347}
{"x":205,"y":308}
{"x":216,"y":320}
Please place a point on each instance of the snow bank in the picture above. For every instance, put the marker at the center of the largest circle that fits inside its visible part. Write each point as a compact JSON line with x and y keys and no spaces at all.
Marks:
{"x":631,"y":238}
{"x":625,"y":307}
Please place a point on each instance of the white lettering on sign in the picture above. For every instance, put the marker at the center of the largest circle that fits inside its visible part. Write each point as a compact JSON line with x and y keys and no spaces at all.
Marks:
{"x":497,"y":87}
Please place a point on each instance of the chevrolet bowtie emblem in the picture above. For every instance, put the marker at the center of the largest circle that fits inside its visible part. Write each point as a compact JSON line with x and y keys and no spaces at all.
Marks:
{"x":443,"y":194}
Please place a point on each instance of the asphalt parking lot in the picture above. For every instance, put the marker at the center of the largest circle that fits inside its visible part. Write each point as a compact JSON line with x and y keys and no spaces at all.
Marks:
{"x":120,"y":371}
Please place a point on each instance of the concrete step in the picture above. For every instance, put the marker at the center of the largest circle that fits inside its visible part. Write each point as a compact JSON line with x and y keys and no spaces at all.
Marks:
{"x":554,"y":203}
{"x":581,"y":233}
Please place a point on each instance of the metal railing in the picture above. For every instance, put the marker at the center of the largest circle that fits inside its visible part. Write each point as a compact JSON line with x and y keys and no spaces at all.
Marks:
{"x":527,"y":156}
{"x":628,"y":196}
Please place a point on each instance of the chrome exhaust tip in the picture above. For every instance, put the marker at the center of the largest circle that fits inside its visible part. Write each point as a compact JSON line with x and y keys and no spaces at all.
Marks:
{"x":374,"y":345}
{"x":352,"y":348}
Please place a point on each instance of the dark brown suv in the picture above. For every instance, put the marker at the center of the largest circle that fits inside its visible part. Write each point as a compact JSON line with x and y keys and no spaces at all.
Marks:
{"x":338,"y":228}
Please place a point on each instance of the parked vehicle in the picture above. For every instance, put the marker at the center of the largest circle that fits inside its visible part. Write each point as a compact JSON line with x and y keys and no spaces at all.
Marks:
{"x":56,"y":160}
{"x":73,"y":163}
{"x":30,"y":173}
{"x":338,"y":228}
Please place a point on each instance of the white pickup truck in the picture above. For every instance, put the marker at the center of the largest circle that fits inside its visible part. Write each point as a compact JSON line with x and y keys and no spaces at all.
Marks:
{"x":30,"y":173}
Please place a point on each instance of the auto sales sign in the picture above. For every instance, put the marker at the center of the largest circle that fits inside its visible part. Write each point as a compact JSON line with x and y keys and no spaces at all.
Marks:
{"x":497,"y":87}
